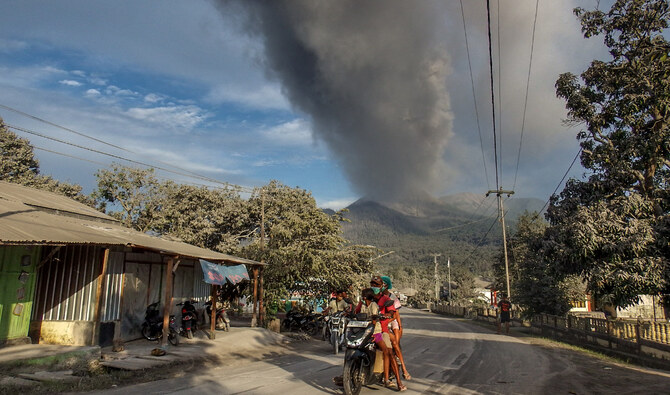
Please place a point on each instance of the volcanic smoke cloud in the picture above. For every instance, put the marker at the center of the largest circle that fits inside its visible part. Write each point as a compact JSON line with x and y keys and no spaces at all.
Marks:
{"x":371,"y":74}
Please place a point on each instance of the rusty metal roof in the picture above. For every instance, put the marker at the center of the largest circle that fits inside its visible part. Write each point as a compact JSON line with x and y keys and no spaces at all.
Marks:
{"x":36,"y":217}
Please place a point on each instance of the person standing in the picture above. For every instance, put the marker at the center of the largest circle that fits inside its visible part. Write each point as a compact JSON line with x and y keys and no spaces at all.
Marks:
{"x":505,"y":309}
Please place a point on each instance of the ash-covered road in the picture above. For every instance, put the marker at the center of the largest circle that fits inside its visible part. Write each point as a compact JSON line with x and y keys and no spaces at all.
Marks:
{"x":444,"y":356}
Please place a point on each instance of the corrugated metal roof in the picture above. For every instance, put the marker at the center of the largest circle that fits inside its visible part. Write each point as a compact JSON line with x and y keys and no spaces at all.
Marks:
{"x":32,"y":216}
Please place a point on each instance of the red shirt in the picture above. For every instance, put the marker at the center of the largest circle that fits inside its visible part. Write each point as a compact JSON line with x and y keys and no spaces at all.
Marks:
{"x":385,"y":311}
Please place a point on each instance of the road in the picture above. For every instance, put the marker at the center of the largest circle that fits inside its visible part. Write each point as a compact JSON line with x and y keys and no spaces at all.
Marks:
{"x":444,"y":356}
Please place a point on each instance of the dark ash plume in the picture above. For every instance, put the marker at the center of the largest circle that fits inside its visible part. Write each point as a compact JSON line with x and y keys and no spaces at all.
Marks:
{"x":371,"y":74}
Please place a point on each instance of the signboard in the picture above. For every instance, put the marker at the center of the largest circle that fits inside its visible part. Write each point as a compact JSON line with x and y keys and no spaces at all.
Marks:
{"x":219,"y":274}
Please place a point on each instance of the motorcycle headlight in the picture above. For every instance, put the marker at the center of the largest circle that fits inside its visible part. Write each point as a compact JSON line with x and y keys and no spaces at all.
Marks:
{"x":355,"y":339}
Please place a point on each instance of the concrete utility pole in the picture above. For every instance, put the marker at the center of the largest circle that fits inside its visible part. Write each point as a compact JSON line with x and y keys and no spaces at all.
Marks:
{"x":437,"y":278}
{"x":501,"y":213}
{"x":449,"y":276}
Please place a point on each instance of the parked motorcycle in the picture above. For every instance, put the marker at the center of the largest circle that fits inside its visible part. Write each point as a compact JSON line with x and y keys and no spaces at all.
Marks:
{"x":336,"y":326}
{"x":189,"y":318}
{"x":152,"y":328}
{"x":297,"y":321}
{"x":222,"y":321}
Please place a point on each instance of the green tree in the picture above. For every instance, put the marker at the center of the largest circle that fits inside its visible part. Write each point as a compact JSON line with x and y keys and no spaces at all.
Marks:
{"x":303,"y":246}
{"x":133,"y":196}
{"x":613,"y":227}
{"x":19,"y":165}
{"x":217,"y":219}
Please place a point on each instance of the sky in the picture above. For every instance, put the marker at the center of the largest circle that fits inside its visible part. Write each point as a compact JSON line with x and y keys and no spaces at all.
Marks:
{"x":345,"y":99}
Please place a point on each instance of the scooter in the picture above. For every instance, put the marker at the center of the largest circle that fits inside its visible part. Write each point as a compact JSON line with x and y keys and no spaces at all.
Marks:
{"x":222,"y":321}
{"x":296,"y":320}
{"x":189,"y":318}
{"x":361,"y":355}
{"x":152,"y":328}
{"x":336,"y":326}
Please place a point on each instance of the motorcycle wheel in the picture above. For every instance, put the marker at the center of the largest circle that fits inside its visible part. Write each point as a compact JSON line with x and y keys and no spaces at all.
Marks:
{"x":352,"y":377}
{"x":189,"y":334}
{"x":311,"y":329}
{"x":173,"y":337}
{"x":335,"y":341}
{"x":286,"y":324}
{"x":146,"y":332}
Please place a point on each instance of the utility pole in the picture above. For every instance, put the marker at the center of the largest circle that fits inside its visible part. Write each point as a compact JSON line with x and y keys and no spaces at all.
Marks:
{"x":501,"y":213}
{"x":449,"y":277}
{"x":437,"y":278}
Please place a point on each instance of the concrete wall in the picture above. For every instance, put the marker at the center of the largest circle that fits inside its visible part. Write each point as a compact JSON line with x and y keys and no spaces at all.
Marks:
{"x":75,"y":333}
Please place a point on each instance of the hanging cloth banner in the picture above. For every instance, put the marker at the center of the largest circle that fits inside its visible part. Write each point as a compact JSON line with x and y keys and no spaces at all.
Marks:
{"x":219,"y":274}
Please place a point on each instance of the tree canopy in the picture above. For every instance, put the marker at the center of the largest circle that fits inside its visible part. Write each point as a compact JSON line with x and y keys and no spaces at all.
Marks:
{"x":612,"y":227}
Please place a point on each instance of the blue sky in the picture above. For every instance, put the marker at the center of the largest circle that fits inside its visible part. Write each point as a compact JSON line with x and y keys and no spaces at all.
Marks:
{"x":180,"y":83}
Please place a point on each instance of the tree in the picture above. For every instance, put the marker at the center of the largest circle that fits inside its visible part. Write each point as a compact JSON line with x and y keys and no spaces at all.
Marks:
{"x":302,"y":245}
{"x":613,"y":227}
{"x":136,"y":191}
{"x":216,"y":219}
{"x":19,"y":165}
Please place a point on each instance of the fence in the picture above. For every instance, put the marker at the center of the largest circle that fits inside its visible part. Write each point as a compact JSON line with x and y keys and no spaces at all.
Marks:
{"x":645,"y":339}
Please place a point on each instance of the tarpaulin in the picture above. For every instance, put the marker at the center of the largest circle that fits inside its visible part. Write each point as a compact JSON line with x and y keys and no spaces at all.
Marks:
{"x":219,"y":274}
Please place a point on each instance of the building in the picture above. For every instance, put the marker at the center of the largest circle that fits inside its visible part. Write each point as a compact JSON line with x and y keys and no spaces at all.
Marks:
{"x":72,"y":275}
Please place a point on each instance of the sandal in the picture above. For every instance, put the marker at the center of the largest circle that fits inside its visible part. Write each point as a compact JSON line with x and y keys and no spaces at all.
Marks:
{"x":402,"y":388}
{"x":407,"y":376}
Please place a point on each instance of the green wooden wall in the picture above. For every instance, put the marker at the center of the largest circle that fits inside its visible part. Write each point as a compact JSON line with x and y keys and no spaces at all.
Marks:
{"x":17,"y":289}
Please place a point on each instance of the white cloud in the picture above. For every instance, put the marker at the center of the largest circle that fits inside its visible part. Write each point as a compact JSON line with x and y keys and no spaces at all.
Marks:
{"x":92,"y":93}
{"x":97,"y":81}
{"x":70,"y":82}
{"x":12,"y":45}
{"x":79,"y":73}
{"x":295,"y":132}
{"x":337,"y":204}
{"x":115,"y":90}
{"x":173,"y":117}
{"x":265,"y":97}
{"x":153,"y":98}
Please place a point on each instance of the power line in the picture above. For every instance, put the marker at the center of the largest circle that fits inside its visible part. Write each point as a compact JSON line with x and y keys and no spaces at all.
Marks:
{"x":493,"y":104}
{"x":109,"y":144}
{"x":474,"y":97}
{"x":525,"y":102}
{"x":562,"y":179}
{"x":500,"y":111}
{"x":105,"y":164}
{"x":128,"y":160}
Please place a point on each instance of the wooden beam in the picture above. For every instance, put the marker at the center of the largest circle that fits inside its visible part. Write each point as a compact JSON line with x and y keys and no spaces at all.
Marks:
{"x":212,"y":316}
{"x":261,"y":308}
{"x":98,"y":295}
{"x":49,"y":256}
{"x":168,"y":300}
{"x":254,"y":318}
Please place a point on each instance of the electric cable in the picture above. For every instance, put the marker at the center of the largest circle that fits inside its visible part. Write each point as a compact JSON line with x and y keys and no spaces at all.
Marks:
{"x":562,"y":179}
{"x":203,"y":178}
{"x":500,"y":111}
{"x":99,"y":140}
{"x":525,"y":102}
{"x":474,"y":98}
{"x":493,"y":105}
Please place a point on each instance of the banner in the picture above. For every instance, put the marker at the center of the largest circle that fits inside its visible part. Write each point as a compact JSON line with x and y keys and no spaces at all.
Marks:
{"x":219,"y":274}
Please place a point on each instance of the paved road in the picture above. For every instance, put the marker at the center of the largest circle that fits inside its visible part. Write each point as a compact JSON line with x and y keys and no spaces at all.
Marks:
{"x":444,"y":356}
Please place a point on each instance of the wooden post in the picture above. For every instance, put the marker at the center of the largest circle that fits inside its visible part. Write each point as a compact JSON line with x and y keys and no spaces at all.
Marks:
{"x":637,"y":338}
{"x":98,"y":296}
{"x":254,"y":317}
{"x":261,"y":308}
{"x":168,"y":300}
{"x":212,"y":316}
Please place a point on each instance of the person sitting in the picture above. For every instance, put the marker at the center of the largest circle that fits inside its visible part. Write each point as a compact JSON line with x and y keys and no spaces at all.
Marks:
{"x":337,"y":304}
{"x":386,"y":310}
{"x":395,"y":332}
